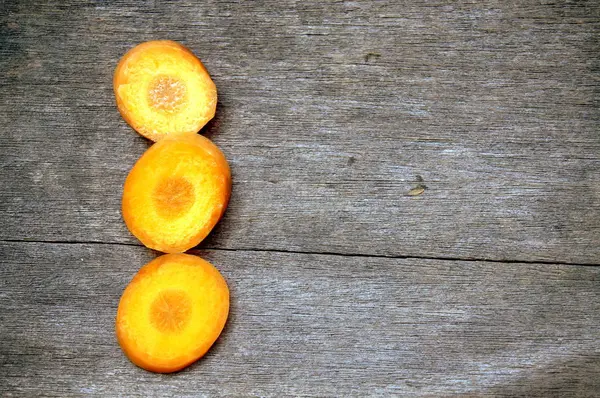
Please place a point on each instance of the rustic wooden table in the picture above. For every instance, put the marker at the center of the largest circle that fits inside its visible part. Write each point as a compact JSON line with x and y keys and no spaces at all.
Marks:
{"x":332,"y":114}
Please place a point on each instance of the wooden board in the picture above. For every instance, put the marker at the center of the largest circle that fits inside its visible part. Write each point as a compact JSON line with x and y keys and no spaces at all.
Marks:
{"x":316,"y":325}
{"x":329,"y":114}
{"x":380,"y":151}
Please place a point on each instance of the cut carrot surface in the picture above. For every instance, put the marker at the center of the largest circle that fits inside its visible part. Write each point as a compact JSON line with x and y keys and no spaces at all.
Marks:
{"x":172,"y":312}
{"x":176,"y":193}
{"x":162,"y":88}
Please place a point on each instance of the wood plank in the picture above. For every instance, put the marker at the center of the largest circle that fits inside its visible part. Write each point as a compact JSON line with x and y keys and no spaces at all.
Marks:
{"x":309,"y":325}
{"x":330,"y":114}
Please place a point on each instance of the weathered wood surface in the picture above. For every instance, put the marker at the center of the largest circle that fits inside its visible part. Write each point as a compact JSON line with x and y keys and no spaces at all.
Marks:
{"x":310,"y":325}
{"x":330,"y":114}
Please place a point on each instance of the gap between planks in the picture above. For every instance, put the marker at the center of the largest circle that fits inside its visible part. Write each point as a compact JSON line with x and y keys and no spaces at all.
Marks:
{"x":322,"y":253}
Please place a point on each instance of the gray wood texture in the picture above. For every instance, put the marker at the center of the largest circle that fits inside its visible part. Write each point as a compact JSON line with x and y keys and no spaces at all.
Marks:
{"x":309,"y":324}
{"x":328,"y":113}
{"x":415,"y":208}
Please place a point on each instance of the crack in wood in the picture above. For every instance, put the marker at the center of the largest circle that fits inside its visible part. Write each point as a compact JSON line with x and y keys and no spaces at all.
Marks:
{"x":319,"y":253}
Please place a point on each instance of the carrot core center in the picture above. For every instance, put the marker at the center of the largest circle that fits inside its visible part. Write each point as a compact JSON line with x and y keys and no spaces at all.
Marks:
{"x":167,"y":94}
{"x":173,"y":197}
{"x":170,"y":311}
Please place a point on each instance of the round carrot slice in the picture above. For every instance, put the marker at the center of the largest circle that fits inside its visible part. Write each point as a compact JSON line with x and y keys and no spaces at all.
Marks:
{"x":172,"y":312}
{"x":162,"y":88}
{"x":176,"y":193}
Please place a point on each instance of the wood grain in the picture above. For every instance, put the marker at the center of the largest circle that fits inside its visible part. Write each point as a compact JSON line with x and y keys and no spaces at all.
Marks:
{"x":309,"y":325}
{"x":380,"y":151}
{"x":330,"y":114}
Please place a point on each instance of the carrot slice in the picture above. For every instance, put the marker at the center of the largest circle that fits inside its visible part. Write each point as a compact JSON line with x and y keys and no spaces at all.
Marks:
{"x":162,"y":88}
{"x":176,"y":193}
{"x":172,"y":312}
